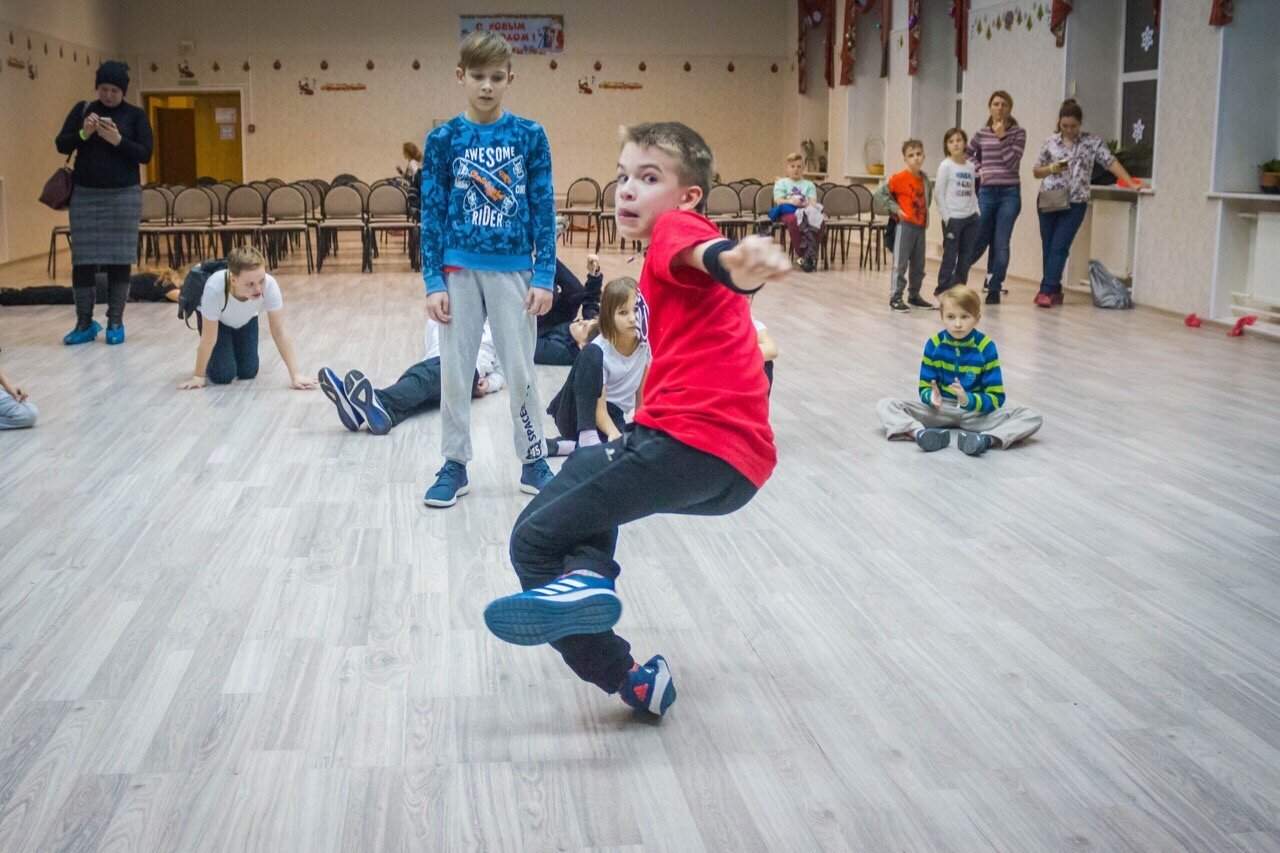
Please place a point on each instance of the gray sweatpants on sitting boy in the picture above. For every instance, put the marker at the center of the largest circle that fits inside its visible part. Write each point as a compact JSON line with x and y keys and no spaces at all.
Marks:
{"x":908,"y":259}
{"x":474,"y":295}
{"x":1007,"y":423}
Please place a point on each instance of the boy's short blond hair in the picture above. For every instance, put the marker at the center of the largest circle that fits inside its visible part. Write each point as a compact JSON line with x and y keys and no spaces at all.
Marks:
{"x":964,"y":298}
{"x":794,"y":157}
{"x":694,"y":162}
{"x":243,"y":258}
{"x":482,"y":49}
{"x":910,"y":144}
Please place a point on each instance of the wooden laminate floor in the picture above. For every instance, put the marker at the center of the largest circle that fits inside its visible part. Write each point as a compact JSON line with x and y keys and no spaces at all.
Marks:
{"x":228,"y":624}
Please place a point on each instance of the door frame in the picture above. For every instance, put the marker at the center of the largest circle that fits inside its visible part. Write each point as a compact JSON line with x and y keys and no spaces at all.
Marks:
{"x":242,"y":119}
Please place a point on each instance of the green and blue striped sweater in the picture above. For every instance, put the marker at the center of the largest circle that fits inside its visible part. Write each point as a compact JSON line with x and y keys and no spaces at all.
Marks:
{"x":973,"y":359}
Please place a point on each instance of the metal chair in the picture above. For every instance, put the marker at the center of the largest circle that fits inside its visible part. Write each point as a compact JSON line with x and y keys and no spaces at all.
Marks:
{"x":582,"y":199}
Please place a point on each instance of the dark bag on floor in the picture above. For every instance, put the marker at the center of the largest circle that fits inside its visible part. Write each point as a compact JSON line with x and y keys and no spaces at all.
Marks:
{"x":57,"y":190}
{"x":1108,"y":291}
{"x":192,"y":291}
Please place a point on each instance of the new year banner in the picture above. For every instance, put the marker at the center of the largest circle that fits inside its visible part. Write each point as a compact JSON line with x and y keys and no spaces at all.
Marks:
{"x":526,"y":33}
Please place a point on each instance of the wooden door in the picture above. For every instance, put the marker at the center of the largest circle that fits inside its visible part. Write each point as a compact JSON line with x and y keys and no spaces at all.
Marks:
{"x":176,"y":145}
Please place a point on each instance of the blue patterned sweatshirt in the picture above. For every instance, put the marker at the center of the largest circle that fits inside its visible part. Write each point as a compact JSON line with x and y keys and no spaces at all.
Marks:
{"x":973,"y":359}
{"x":487,"y":200}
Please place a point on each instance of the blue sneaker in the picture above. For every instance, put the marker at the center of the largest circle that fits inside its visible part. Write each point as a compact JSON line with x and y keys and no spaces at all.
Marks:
{"x":649,"y":688}
{"x":450,"y":484}
{"x":576,"y":603}
{"x":332,"y":388}
{"x":535,"y":476}
{"x":361,"y":395}
{"x":974,"y":443}
{"x":115,"y":335}
{"x":930,"y":440}
{"x":82,"y":336}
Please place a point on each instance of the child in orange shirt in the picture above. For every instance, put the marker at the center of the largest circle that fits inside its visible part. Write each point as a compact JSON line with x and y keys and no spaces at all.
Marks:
{"x":907,"y":195}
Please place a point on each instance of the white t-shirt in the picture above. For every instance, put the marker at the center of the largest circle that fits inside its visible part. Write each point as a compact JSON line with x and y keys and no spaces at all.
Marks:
{"x":622,"y":374}
{"x":237,"y":312}
{"x":487,"y":364}
{"x":953,"y":190}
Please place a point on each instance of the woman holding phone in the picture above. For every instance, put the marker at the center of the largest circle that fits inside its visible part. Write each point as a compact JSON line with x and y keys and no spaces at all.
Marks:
{"x":111,"y":139}
{"x":1065,"y":167}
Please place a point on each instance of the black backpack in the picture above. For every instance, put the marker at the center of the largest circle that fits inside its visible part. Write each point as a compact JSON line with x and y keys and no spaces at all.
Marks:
{"x":192,"y":291}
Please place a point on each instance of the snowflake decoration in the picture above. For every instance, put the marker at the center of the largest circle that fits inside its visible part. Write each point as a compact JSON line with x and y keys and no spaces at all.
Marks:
{"x":1139,"y":130}
{"x":1148,"y":39}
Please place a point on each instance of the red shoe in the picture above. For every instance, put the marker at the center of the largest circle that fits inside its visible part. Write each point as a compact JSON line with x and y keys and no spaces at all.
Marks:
{"x":1056,"y":298}
{"x":1043,"y":300}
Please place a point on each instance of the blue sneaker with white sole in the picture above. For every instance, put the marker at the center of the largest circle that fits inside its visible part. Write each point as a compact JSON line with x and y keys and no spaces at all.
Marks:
{"x":576,"y":603}
{"x":649,"y":688}
{"x":365,"y":400}
{"x":332,"y":387}
{"x":451,"y":484}
{"x":535,"y":476}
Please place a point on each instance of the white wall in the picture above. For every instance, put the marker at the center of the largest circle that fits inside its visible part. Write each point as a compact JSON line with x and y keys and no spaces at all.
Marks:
{"x":361,"y":132}
{"x":1248,"y":125}
{"x":33,"y":110}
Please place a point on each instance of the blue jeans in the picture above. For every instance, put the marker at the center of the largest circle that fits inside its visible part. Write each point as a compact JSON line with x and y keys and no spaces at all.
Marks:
{"x":235,"y":355}
{"x":1057,"y":230}
{"x":999,"y":207}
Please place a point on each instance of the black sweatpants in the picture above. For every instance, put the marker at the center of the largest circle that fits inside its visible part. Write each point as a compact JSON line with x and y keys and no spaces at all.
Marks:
{"x":959,"y":245}
{"x":573,"y":523}
{"x":235,"y":354}
{"x":416,"y":391}
{"x":574,"y":407}
{"x":556,"y":346}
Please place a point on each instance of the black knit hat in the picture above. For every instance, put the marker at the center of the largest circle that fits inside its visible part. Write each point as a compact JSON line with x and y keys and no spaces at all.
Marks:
{"x":113,"y":72}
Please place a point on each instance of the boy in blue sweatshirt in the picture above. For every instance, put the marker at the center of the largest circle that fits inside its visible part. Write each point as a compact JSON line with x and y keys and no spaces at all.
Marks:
{"x":960,"y":387}
{"x":488,"y":250}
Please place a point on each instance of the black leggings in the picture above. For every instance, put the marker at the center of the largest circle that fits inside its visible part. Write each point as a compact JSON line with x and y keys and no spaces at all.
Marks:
{"x":85,"y":279}
{"x":235,"y":355}
{"x":574,"y":407}
{"x":573,"y":523}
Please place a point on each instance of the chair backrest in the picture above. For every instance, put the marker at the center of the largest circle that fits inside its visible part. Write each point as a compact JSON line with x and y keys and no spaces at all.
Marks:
{"x":747,"y":196}
{"x":763,"y":201}
{"x":388,"y":202}
{"x":205,"y":181}
{"x":313,"y":194}
{"x":285,"y":203}
{"x":839,"y":201}
{"x":264,"y":189}
{"x":609,"y":195}
{"x":584,"y":192}
{"x":193,"y":205}
{"x":222,"y":191}
{"x":723,"y":201}
{"x":274,"y":183}
{"x":865,"y":203}
{"x":155,"y":207}
{"x":344,"y":178}
{"x":362,"y":188}
{"x":343,"y":202}
{"x":245,"y":203}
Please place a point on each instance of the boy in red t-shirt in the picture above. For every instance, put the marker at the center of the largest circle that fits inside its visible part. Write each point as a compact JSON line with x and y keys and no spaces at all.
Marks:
{"x":701,"y":443}
{"x":907,"y":195}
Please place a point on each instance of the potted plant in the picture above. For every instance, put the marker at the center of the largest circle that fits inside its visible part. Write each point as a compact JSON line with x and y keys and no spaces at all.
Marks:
{"x":1269,"y":180}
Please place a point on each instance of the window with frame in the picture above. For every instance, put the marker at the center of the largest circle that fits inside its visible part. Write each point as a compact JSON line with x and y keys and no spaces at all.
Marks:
{"x":1139,"y":76}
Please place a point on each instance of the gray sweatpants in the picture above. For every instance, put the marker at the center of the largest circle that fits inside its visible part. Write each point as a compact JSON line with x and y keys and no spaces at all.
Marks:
{"x":15,"y":415}
{"x":474,"y":295}
{"x":901,"y":418}
{"x":908,"y":259}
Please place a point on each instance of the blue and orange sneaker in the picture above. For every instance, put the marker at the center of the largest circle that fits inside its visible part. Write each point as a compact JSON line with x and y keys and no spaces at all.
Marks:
{"x":649,"y":688}
{"x":580,"y":602}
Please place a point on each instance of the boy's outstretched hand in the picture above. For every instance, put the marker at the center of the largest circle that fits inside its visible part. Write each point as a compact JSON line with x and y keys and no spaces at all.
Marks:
{"x":755,"y":260}
{"x":962,"y":396}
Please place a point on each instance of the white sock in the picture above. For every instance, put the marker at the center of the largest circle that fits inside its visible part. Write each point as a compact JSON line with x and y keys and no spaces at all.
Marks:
{"x":564,"y":446}
{"x":588,"y":437}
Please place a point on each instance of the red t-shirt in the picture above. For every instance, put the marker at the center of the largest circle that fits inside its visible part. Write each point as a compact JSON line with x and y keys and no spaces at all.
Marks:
{"x":706,"y":386}
{"x":908,"y":190}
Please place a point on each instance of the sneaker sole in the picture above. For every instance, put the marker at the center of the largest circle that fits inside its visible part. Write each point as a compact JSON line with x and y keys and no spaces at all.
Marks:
{"x":375,"y":417}
{"x":970,"y":443}
{"x":346,"y":413}
{"x":440,"y":504}
{"x":529,"y":489}
{"x":931,"y":442}
{"x":525,"y":621}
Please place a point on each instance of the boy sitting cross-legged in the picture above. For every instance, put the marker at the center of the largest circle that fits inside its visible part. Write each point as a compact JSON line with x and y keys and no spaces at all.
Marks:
{"x":960,"y":386}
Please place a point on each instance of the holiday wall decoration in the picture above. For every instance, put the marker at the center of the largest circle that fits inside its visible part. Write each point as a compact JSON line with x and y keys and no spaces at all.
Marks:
{"x":1223,"y":13}
{"x":816,"y":13}
{"x":960,"y":17}
{"x":1058,"y":20}
{"x":913,"y":36}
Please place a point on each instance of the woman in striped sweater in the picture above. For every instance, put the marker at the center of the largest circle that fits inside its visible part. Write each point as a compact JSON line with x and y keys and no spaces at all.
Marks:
{"x":997,"y":150}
